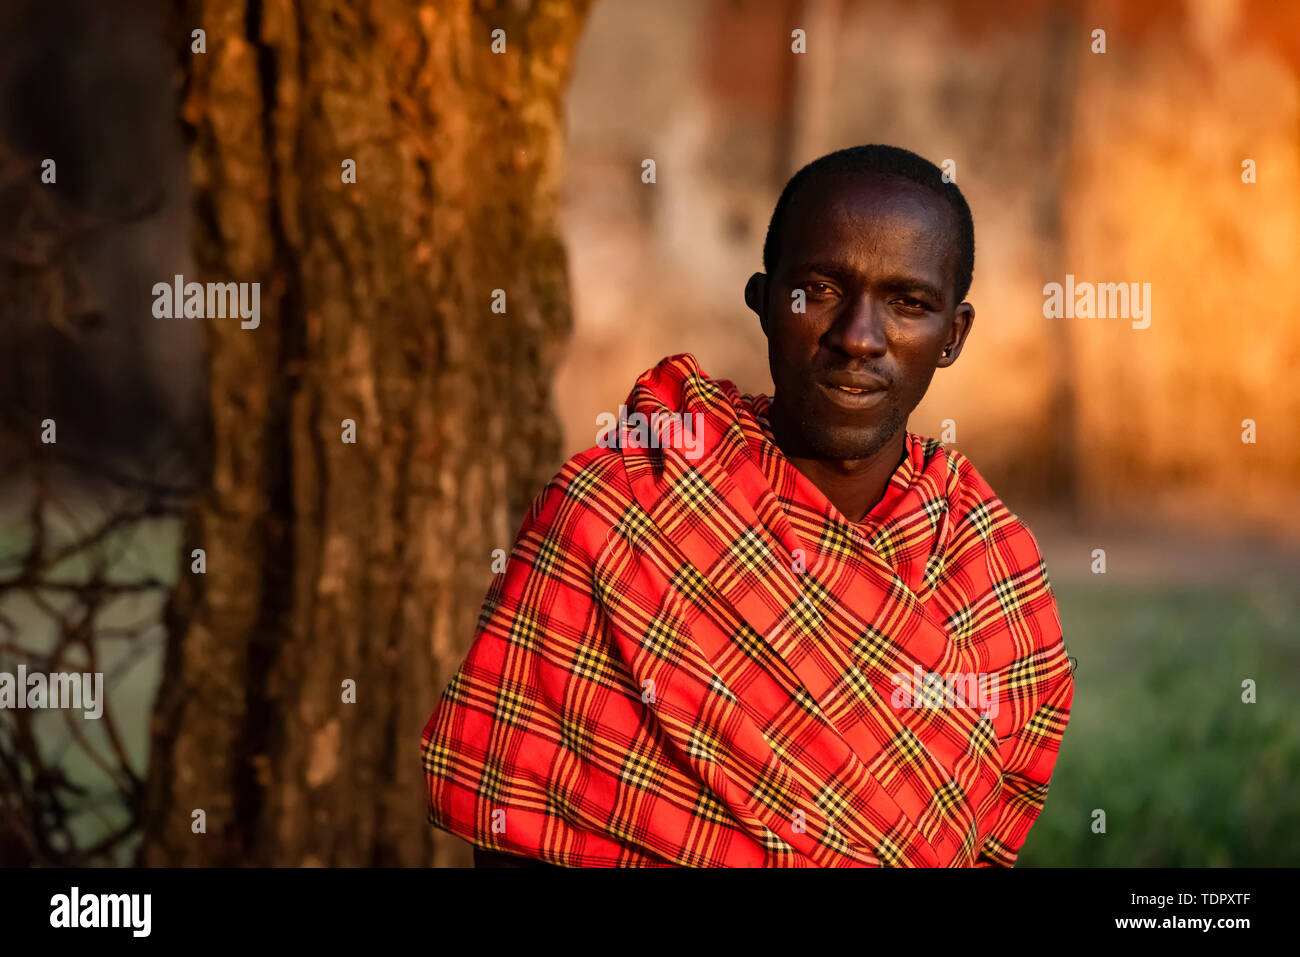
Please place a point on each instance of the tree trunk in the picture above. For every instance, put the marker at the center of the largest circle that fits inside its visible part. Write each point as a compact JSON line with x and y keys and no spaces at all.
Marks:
{"x":327,"y":561}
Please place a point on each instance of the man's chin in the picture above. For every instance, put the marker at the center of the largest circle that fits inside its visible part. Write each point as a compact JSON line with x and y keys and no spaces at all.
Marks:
{"x":843,"y":445}
{"x":850,"y":443}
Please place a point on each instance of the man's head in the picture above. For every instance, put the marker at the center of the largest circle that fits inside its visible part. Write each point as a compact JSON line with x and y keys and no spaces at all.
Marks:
{"x":868,"y":259}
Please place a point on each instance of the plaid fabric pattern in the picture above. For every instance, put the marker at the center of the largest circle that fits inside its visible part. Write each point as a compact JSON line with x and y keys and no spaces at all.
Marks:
{"x":694,"y":660}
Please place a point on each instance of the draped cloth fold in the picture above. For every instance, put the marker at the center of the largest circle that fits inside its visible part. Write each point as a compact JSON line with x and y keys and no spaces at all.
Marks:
{"x":693,"y":658}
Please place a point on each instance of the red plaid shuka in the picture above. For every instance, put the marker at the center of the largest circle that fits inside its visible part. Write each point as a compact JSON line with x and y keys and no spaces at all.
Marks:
{"x":695,"y":660}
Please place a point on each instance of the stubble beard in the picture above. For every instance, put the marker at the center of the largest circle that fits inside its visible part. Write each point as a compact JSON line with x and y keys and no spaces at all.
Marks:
{"x":816,"y":439}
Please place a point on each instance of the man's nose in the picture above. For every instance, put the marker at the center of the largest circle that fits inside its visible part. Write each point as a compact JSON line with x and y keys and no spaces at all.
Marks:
{"x":860,"y":329}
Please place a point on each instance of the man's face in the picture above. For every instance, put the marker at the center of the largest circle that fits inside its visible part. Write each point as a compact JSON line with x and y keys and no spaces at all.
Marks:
{"x":875,"y":258}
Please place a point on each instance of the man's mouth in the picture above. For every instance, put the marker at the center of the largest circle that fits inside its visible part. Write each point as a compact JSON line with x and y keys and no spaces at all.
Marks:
{"x":854,"y":398}
{"x":854,"y":383}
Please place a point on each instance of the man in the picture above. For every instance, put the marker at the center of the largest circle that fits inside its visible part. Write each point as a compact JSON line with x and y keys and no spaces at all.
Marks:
{"x":744,"y":631}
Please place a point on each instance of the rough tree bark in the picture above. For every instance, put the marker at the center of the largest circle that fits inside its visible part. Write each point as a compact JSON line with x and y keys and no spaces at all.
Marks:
{"x":329,"y":561}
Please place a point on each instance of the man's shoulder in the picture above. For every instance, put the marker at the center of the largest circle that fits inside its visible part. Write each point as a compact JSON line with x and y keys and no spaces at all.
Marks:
{"x":974,"y":503}
{"x":593,"y":471}
{"x":590,"y":492}
{"x":994,"y":549}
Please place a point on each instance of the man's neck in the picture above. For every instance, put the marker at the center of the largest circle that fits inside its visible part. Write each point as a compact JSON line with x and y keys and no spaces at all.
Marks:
{"x":854,"y":486}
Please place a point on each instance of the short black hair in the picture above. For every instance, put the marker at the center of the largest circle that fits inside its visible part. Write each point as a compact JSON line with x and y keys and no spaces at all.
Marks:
{"x":877,"y":158}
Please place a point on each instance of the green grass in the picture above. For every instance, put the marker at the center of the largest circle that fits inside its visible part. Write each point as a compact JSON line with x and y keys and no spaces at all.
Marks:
{"x":1159,"y":738}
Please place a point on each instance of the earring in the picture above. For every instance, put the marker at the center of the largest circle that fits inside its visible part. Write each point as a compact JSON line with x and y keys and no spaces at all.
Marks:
{"x":945,"y":352}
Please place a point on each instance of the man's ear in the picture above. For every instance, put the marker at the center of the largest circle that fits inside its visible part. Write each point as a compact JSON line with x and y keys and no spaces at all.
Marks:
{"x":963,"y":319}
{"x":756,"y":297}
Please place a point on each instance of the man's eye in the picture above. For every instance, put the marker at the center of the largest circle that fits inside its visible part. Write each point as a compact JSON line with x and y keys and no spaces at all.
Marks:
{"x":910,"y":303}
{"x":818,"y":288}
